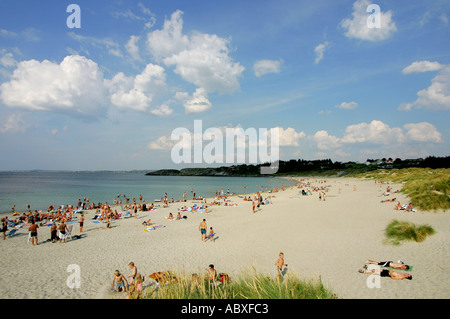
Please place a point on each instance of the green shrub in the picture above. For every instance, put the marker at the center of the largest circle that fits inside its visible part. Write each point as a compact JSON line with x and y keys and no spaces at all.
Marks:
{"x":398,"y":231}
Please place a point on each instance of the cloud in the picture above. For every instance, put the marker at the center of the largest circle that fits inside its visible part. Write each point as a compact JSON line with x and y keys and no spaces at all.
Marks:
{"x":374,"y":132}
{"x":422,"y":132}
{"x":325,"y":141}
{"x":422,"y":66}
{"x":377,"y":132}
{"x":75,"y":85}
{"x":361,"y":26}
{"x":200,"y":59}
{"x":319,"y":51}
{"x":111,"y":46}
{"x":137,"y":93}
{"x":132,"y":48}
{"x":436,"y":96}
{"x":130,"y":15}
{"x":163,"y":110}
{"x":262,"y":67}
{"x":196,"y":103}
{"x":347,"y":105}
{"x":163,"y":143}
{"x":289,"y":137}
{"x":7,"y":59}
{"x":14,"y":124}
{"x":7,"y":34}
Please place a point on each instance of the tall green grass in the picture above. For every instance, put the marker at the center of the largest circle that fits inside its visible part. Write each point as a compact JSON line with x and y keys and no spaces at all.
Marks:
{"x":428,"y":189}
{"x":398,"y":231}
{"x":245,"y":286}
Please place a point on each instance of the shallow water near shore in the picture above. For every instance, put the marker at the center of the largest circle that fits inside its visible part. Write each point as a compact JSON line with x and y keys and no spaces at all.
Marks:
{"x":39,"y":189}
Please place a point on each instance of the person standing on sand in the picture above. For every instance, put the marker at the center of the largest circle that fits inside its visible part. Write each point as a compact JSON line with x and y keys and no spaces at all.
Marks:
{"x":53,"y":236}
{"x":81,"y":222}
{"x":62,"y":230}
{"x":4,"y":228}
{"x":202,"y":228}
{"x":33,"y":232}
{"x":279,"y":264}
{"x":133,"y":272}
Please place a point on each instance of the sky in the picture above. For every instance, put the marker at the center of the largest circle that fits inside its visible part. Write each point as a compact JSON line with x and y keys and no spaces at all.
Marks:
{"x":102,"y":85}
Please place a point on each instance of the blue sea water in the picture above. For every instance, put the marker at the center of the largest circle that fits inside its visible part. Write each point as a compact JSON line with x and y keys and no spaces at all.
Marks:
{"x":39,"y":189}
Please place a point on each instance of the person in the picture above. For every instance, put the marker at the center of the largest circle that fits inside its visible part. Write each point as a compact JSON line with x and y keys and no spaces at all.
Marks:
{"x":212,"y":273}
{"x":253,"y":206}
{"x":202,"y":228}
{"x":81,"y":222}
{"x":133,"y":272}
{"x":33,"y":232}
{"x":399,"y":206}
{"x":211,"y":234}
{"x":119,"y":281}
{"x":279,"y":264}
{"x":53,"y":233}
{"x":4,"y":228}
{"x":147,"y":222}
{"x":138,"y":285}
{"x":179,"y":216}
{"x":170,"y":216}
{"x":387,"y":264}
{"x":409,"y":208}
{"x":62,"y":230}
{"x":394,"y":274}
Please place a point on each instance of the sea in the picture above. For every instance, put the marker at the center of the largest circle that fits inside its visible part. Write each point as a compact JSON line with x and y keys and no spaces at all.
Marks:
{"x":39,"y":189}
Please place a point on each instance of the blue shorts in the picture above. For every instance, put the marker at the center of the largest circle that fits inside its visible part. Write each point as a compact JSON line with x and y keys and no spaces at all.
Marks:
{"x":203,"y":231}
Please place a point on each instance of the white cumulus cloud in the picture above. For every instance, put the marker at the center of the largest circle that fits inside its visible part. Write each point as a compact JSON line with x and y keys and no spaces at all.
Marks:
{"x":76,"y":85}
{"x":434,"y":97}
{"x":422,"y":66}
{"x":361,"y":25}
{"x":262,"y":67}
{"x":201,"y":59}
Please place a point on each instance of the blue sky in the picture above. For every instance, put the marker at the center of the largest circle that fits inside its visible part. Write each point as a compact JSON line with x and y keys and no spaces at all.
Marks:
{"x":109,"y":94}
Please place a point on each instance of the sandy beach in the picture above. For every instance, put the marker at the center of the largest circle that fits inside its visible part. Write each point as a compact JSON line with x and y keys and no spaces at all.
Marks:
{"x":330,"y":239}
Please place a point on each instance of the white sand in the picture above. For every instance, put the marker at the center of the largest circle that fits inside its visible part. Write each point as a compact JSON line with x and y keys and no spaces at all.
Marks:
{"x":330,"y":239}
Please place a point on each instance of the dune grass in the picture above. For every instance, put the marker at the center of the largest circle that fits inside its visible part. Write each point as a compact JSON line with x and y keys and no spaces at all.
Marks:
{"x":428,"y":189}
{"x":398,"y":231}
{"x":245,"y":286}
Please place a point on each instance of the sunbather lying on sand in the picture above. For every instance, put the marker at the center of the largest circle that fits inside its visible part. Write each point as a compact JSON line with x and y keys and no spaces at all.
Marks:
{"x":387,"y":264}
{"x":396,"y":275}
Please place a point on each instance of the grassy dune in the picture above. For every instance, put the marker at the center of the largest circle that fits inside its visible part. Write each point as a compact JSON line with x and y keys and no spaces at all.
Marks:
{"x":428,"y":189}
{"x":245,"y":286}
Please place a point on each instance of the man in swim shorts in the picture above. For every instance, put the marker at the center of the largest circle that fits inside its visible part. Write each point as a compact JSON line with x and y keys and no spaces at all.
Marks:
{"x":33,"y":232}
{"x":202,"y":228}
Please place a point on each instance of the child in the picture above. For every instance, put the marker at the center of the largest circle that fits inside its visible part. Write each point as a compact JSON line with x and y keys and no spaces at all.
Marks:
{"x":119,"y":281}
{"x":279,"y":264}
{"x":138,"y":285}
{"x":211,"y":234}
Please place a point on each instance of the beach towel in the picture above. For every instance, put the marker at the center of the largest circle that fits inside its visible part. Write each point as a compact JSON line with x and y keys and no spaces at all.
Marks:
{"x":410,"y":268}
{"x":153,"y":227}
